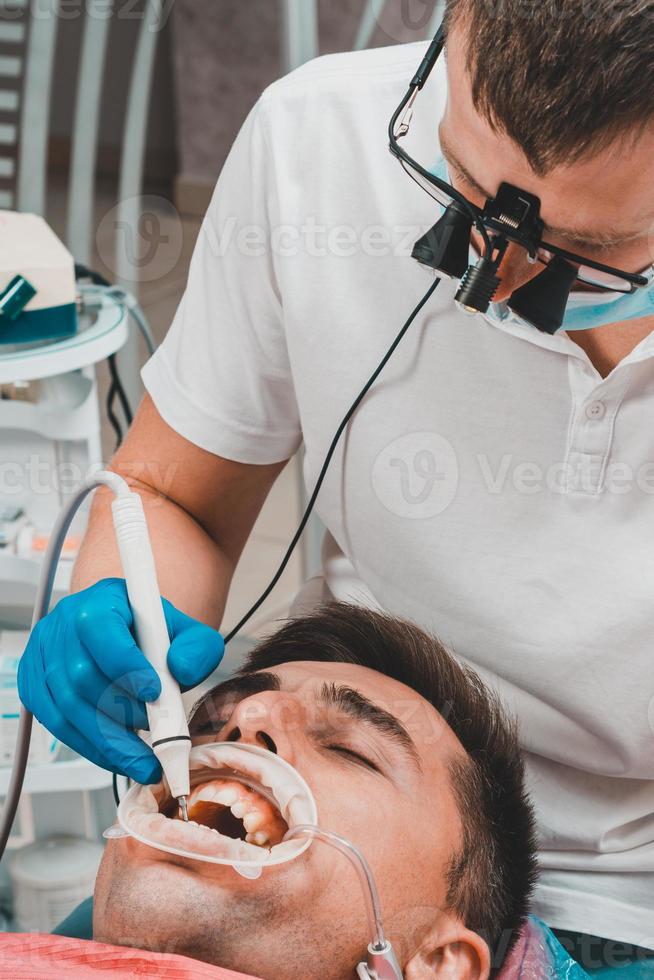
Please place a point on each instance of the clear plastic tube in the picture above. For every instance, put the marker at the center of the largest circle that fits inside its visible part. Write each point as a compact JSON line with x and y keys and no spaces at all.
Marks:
{"x":357,"y":859}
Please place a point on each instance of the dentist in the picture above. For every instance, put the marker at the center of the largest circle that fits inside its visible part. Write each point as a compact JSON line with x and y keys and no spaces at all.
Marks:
{"x":496,"y":484}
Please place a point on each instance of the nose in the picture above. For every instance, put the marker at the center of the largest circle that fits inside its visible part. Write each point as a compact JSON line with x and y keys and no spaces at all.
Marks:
{"x":515,"y":270}
{"x":273,"y":720}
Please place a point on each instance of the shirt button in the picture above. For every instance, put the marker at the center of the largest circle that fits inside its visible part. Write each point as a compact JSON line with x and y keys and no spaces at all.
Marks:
{"x":595,"y":411}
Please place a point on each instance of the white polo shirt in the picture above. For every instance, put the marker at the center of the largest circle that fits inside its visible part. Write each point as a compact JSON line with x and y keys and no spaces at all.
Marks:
{"x":492,"y":487}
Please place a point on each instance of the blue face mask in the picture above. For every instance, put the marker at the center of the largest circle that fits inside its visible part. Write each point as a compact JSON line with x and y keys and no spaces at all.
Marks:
{"x":584,"y":310}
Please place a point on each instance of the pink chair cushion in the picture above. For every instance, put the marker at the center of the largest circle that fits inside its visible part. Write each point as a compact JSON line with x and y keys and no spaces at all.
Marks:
{"x":32,"y":957}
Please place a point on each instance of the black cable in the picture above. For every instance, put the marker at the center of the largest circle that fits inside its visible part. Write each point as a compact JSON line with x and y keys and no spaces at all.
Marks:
{"x":83,"y":272}
{"x":422,"y":187}
{"x":111,"y":415}
{"x":117,"y":389}
{"x":328,"y":458}
{"x":397,"y":151}
{"x":120,"y":391}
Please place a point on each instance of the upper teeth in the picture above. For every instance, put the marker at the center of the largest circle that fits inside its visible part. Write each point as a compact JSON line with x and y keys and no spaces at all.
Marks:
{"x":225,"y":796}
{"x":240,"y":800}
{"x":252,"y":820}
{"x":266,"y":769}
{"x":244,"y":804}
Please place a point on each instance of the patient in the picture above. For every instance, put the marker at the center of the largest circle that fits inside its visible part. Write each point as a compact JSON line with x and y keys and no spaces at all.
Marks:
{"x":409,"y":757}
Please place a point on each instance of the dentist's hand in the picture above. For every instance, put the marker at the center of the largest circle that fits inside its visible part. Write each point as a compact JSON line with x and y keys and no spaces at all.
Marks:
{"x":85,"y":679}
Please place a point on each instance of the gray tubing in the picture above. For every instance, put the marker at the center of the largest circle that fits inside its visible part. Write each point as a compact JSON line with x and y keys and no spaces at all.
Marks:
{"x":41,"y":606}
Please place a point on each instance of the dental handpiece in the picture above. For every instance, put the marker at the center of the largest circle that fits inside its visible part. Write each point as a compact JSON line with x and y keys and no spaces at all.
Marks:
{"x":170,"y":739}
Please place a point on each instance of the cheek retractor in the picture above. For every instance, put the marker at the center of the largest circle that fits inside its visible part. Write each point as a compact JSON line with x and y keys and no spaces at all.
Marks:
{"x":269,"y":784}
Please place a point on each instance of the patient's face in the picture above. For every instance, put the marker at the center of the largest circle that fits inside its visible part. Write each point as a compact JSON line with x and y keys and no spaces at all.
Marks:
{"x":383,"y":785}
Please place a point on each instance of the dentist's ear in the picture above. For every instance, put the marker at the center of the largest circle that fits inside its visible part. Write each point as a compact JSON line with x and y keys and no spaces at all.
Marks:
{"x":450,"y":952}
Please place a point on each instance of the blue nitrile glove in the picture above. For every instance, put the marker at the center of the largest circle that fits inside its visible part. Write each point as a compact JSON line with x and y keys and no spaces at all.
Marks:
{"x":84,"y":678}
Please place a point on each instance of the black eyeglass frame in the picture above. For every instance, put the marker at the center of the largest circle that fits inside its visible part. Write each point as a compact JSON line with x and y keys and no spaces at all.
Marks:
{"x":405,"y":111}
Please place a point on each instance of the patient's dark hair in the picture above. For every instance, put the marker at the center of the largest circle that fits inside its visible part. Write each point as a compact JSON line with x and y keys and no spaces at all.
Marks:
{"x":560,"y":77}
{"x":492,"y":876}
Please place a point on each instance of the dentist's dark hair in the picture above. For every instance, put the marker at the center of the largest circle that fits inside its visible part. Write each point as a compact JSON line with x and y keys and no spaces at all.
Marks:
{"x":492,"y":876}
{"x":562,"y":78}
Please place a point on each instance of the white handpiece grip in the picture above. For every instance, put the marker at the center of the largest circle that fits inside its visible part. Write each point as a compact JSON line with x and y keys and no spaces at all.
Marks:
{"x":167,"y":717}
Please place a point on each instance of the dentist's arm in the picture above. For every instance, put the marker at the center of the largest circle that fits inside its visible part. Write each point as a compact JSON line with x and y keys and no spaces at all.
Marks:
{"x":200,"y":510}
{"x":82,"y":674}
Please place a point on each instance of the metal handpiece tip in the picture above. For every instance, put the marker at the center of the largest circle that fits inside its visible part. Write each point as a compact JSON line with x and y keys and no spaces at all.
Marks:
{"x":182,"y":808}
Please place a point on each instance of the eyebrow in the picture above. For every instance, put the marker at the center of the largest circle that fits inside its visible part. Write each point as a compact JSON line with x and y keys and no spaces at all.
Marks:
{"x":205,"y":719}
{"x":356,"y":705}
{"x":579,"y":237}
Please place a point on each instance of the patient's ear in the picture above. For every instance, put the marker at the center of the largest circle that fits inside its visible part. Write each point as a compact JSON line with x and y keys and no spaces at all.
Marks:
{"x":450,"y":952}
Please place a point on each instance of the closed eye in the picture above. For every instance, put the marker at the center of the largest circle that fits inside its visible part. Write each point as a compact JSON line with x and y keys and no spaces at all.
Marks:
{"x":355,"y":756}
{"x":211,"y":728}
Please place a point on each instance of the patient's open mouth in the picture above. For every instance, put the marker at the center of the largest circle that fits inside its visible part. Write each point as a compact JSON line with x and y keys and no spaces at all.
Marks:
{"x":232,"y":808}
{"x":242,"y":802}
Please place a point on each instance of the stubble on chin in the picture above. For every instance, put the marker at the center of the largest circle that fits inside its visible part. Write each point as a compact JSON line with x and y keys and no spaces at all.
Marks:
{"x":146,"y":905}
